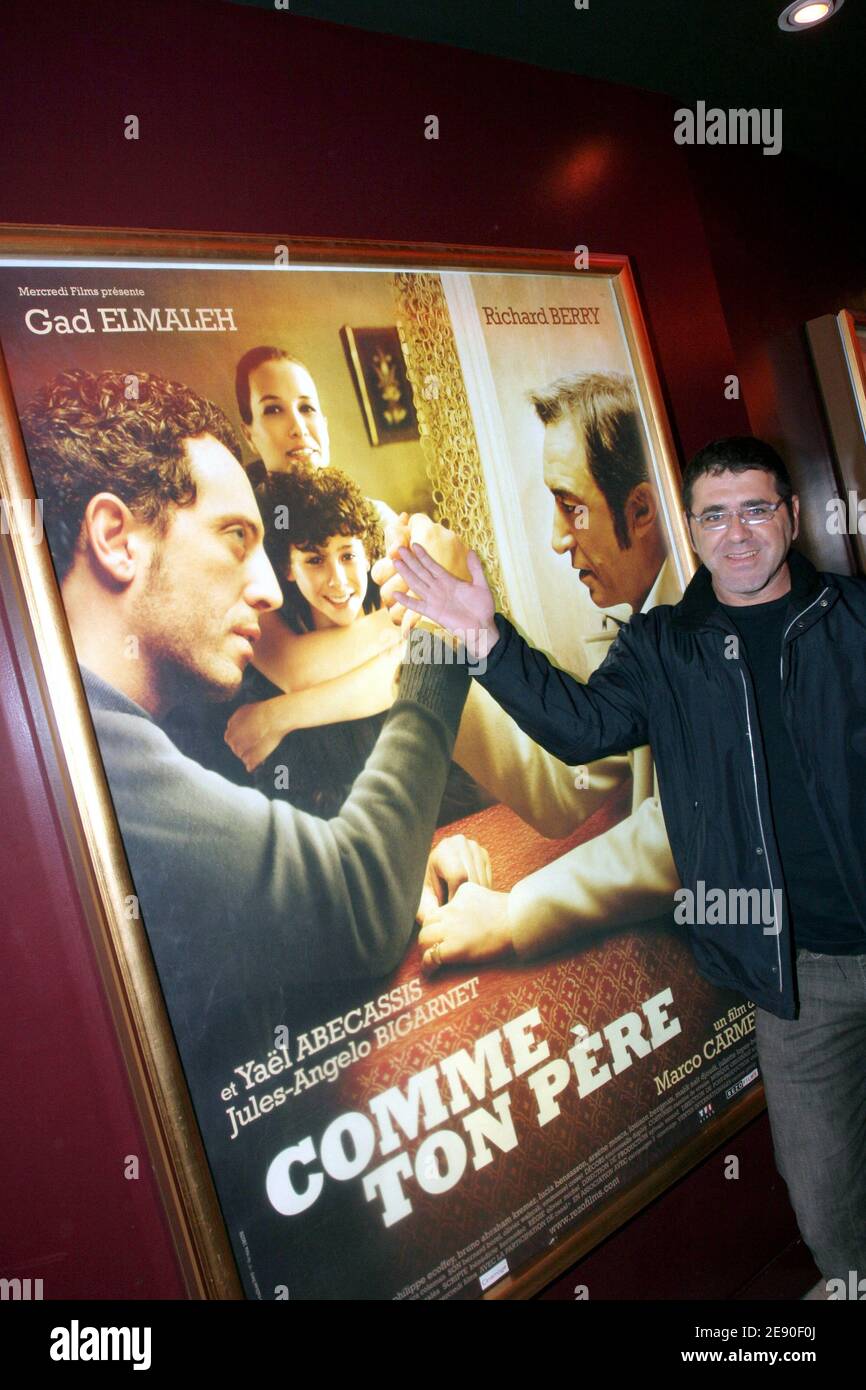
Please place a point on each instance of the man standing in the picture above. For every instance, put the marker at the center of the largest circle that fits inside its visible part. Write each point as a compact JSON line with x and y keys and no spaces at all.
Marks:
{"x":752,"y":694}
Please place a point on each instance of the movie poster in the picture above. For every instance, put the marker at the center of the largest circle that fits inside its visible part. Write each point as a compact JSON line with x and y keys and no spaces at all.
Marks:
{"x":418,"y":1129}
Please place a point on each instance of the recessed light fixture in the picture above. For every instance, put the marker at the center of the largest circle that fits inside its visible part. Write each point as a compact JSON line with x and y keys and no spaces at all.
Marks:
{"x":805,"y":14}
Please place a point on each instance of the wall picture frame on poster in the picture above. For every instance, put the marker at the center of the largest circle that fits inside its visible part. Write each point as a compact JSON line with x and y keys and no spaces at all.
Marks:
{"x":197,"y":529}
{"x":375,"y":358}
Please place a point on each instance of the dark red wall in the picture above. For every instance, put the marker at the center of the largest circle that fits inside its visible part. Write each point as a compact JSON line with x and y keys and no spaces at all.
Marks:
{"x":259,"y":121}
{"x":68,"y":1214}
{"x":786,"y":248}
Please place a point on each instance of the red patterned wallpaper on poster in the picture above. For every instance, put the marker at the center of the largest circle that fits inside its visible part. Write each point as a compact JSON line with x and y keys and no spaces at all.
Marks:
{"x":591,"y":984}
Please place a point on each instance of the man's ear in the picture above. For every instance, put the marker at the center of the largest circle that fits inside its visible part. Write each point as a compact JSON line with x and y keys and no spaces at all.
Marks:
{"x":795,"y":513}
{"x":688,"y":525}
{"x":641,"y":508}
{"x":114,"y":539}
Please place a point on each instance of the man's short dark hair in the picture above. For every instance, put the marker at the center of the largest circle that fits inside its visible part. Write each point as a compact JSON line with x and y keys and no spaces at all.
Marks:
{"x":315,"y":504}
{"x":119,"y":432}
{"x":603,"y":409}
{"x":739,"y":453}
{"x":245,"y":368}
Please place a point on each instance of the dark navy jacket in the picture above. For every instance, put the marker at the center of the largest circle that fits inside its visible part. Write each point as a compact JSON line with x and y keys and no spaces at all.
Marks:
{"x":671,"y":680}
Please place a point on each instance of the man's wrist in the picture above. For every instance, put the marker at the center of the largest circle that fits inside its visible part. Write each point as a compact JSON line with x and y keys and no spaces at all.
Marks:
{"x":430,"y":676}
{"x":480,"y":643}
{"x":498,"y":653}
{"x":425,"y":624}
{"x":476,"y":642}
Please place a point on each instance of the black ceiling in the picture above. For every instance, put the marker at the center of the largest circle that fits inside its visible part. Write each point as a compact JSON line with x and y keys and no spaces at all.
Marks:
{"x":726,"y":52}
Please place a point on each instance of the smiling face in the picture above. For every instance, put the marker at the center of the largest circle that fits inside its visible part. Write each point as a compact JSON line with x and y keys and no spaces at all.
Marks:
{"x":333,"y":580}
{"x":288,"y":428}
{"x":747,"y":563}
{"x":205,"y":584}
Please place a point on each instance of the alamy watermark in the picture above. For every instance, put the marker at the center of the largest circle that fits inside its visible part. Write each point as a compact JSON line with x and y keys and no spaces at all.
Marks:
{"x":853,"y":1291}
{"x":729,"y":907}
{"x":20,"y":1290}
{"x":738,"y":126}
{"x":77,"y":1343}
{"x":846,"y":516}
{"x":22,"y":515}
{"x":426,"y":648}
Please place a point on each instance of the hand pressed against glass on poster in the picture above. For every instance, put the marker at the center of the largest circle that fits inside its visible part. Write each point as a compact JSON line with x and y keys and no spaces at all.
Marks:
{"x":432,"y":572}
{"x":444,"y":545}
{"x":391,"y":584}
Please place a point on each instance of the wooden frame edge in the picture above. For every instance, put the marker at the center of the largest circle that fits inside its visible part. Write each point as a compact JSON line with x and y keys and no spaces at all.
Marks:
{"x":616,"y":1213}
{"x":132,"y":991}
{"x":134,"y":994}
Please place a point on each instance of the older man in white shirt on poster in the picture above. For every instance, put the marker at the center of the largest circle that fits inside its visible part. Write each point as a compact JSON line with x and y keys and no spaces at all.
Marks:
{"x":608,"y":520}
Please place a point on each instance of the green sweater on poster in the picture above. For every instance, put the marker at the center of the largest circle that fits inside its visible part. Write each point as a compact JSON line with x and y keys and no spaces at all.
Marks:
{"x":245,"y":898}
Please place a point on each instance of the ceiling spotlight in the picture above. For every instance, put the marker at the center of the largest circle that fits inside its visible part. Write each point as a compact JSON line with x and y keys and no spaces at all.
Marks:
{"x":805,"y":14}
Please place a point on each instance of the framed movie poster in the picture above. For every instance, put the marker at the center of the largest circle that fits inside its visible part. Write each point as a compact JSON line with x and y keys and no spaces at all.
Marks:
{"x":266,"y":799}
{"x":838,"y":345}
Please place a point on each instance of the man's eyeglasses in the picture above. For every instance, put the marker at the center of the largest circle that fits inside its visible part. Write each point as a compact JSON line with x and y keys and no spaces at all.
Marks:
{"x":718,"y":520}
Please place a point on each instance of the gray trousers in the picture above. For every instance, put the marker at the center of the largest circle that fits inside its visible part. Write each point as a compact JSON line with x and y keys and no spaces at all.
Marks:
{"x":814,"y":1074}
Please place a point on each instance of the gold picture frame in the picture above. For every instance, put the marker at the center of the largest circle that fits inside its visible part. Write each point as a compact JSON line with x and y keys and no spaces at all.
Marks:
{"x":209,"y":1261}
{"x":838,"y":346}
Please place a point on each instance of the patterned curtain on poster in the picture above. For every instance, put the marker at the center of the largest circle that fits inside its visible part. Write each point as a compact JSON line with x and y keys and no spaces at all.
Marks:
{"x":445,"y":420}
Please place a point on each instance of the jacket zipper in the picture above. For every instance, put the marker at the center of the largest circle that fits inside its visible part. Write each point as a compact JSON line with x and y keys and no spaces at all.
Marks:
{"x":839,"y":869}
{"x":763,"y":837}
{"x":794,"y":620}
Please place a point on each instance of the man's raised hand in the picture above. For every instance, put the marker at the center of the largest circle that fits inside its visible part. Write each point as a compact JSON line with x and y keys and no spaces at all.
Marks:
{"x":464,"y":608}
